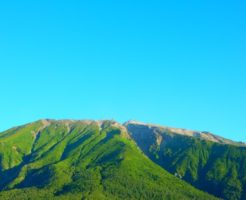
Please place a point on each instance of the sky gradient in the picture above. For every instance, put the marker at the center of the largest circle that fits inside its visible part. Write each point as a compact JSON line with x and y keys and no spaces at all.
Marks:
{"x":177,"y":63}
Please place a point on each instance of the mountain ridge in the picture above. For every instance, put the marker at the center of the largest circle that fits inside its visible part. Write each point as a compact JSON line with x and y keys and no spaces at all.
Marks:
{"x":182,"y":131}
{"x":191,"y":133}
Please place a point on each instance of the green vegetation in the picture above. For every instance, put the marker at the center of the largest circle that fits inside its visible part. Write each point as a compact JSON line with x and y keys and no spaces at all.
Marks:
{"x":216,"y":168}
{"x":83,"y":160}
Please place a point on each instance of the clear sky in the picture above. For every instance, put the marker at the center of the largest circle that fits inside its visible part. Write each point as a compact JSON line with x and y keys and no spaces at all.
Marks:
{"x":176,"y":63}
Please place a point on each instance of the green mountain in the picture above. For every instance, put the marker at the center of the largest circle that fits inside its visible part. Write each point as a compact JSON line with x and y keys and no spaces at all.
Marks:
{"x":208,"y":162}
{"x":67,"y":159}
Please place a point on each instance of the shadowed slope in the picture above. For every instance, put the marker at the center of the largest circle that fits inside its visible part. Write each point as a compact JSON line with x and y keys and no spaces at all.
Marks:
{"x":213,"y":166}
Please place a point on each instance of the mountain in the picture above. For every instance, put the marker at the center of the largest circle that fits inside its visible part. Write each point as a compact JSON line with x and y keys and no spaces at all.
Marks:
{"x":68,"y":159}
{"x":208,"y":162}
{"x":203,"y":135}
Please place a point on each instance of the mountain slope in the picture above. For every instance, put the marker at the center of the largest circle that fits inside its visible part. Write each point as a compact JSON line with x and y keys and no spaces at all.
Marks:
{"x":51,"y":159}
{"x":209,"y":162}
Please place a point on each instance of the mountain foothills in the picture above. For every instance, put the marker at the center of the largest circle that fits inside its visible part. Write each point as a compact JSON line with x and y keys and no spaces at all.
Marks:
{"x":69,"y":159}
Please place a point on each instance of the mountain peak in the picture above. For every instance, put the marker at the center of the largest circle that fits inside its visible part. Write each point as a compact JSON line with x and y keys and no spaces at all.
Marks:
{"x":134,"y":122}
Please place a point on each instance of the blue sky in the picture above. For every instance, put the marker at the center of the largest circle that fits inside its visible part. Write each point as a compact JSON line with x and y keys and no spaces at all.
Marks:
{"x":176,"y":63}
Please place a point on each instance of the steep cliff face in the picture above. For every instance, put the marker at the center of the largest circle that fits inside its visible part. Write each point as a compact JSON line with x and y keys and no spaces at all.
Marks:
{"x":209,"y":162}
